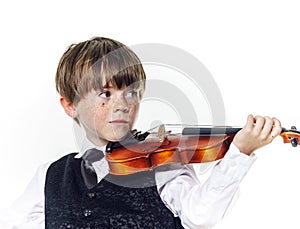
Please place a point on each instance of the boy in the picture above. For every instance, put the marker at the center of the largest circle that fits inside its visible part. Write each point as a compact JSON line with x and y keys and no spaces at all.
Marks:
{"x":101,"y":82}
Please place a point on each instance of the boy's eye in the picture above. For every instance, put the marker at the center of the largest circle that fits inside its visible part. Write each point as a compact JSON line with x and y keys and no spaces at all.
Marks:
{"x":132,"y":94}
{"x":105,"y":94}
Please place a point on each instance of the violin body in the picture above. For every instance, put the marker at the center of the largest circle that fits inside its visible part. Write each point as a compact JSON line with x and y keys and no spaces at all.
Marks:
{"x":144,"y":152}
{"x":152,"y":153}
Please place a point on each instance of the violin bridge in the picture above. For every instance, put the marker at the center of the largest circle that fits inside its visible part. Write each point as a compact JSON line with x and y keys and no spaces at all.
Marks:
{"x":161,"y":133}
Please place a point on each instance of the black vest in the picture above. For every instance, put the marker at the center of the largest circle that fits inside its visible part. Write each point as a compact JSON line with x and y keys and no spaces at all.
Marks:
{"x":70,"y":204}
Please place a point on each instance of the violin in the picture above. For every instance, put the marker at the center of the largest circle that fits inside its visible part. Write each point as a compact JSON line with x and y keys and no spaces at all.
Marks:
{"x":170,"y":144}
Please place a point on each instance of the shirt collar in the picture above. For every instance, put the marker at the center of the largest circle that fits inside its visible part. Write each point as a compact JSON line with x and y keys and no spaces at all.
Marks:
{"x":86,"y":145}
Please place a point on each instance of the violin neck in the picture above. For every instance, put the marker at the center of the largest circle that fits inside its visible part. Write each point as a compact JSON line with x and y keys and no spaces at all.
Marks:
{"x":205,"y":131}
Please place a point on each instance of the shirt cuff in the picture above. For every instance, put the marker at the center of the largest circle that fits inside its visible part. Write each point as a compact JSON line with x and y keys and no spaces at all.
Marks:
{"x":232,"y":168}
{"x":234,"y":153}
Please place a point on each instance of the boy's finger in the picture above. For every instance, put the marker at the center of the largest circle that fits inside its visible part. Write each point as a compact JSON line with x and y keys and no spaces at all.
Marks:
{"x":267,"y":127}
{"x":259,"y":124}
{"x":250,"y":122}
{"x":277,"y":128}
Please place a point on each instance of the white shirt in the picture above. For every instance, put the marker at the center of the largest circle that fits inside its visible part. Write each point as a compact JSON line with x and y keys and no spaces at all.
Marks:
{"x":198,"y":205}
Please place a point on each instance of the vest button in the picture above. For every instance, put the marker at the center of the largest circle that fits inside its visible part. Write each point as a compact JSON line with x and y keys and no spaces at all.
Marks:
{"x":91,"y":195}
{"x":87,"y":212}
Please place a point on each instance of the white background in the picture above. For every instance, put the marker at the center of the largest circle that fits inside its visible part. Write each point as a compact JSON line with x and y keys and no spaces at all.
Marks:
{"x":251,"y":48}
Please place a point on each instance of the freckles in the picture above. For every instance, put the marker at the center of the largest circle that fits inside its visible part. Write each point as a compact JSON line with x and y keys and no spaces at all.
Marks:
{"x":101,"y":108}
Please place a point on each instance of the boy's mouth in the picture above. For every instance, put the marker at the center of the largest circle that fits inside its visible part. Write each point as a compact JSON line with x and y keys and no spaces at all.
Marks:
{"x":119,"y":121}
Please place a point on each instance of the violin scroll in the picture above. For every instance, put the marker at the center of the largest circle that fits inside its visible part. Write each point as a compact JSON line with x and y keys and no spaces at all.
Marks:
{"x":291,"y":136}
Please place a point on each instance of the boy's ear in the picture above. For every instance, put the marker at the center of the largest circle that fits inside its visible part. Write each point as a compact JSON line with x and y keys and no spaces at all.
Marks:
{"x":69,"y":107}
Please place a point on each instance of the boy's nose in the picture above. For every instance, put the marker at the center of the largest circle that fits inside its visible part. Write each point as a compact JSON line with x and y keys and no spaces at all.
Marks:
{"x":121,"y":104}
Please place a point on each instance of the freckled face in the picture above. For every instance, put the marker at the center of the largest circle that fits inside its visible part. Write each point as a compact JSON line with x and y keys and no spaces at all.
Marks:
{"x":108,"y":115}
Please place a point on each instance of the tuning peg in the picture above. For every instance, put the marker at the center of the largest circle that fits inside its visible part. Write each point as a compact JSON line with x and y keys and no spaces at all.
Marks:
{"x":294,"y":142}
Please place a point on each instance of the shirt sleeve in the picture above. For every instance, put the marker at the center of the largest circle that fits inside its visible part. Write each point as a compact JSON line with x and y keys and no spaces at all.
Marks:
{"x":27,"y":212}
{"x":203,"y":205}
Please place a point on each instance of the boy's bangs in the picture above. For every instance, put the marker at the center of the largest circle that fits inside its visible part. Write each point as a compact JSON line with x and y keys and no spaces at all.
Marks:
{"x":131,"y":76}
{"x":120,"y":68}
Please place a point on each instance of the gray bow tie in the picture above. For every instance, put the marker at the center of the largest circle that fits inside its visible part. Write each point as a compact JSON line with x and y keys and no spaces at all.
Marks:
{"x":87,"y":169}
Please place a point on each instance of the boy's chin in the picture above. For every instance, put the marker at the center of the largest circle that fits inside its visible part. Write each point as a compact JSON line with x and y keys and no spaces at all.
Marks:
{"x":119,"y":134}
{"x":118,"y":137}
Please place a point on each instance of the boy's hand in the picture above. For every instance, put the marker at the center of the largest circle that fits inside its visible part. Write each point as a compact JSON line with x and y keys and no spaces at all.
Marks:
{"x":259,"y":131}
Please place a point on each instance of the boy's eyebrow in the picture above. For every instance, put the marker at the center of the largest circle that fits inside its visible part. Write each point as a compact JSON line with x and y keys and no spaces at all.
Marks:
{"x":108,"y":86}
